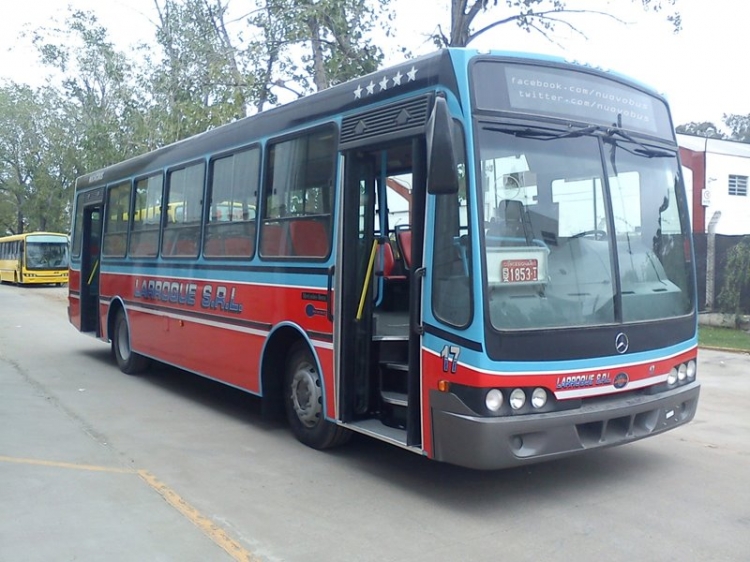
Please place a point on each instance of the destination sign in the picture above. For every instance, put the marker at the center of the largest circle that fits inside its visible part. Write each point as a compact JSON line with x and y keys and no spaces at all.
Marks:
{"x":568,"y":93}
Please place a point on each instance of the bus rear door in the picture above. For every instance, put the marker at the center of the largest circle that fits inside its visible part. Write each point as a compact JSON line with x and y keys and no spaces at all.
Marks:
{"x":90,"y":269}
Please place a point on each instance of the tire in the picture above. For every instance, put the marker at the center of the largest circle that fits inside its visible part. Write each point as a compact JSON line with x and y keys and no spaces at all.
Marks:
{"x":303,"y":401}
{"x":130,"y":363}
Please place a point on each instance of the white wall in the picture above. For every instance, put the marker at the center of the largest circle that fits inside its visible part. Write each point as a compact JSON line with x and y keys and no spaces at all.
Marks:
{"x":735,"y":210}
{"x":724,"y":158}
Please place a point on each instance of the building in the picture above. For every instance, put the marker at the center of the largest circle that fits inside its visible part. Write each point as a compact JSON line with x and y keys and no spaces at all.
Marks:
{"x":716,"y":178}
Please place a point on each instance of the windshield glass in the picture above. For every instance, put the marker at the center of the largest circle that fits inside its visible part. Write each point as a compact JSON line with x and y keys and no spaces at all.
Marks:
{"x":46,"y":255}
{"x":570,"y":243}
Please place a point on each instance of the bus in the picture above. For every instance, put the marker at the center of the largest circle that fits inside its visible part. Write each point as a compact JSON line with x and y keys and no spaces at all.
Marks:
{"x":484,"y":258}
{"x":34,"y":258}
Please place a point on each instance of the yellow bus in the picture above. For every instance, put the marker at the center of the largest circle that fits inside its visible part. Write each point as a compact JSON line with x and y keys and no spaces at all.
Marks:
{"x":34,"y":258}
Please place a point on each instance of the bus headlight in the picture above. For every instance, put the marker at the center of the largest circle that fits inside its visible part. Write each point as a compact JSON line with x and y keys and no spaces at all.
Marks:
{"x":691,"y":370}
{"x":539,"y":398}
{"x":672,"y":376}
{"x":517,"y":399}
{"x":493,"y":400}
{"x":682,"y":372}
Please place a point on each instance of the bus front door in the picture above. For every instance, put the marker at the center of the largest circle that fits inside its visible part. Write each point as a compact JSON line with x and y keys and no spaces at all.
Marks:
{"x":89,"y":290}
{"x":379,"y":366}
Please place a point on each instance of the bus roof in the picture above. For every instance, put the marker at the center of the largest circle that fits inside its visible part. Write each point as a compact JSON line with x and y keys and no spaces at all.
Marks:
{"x":412,"y":75}
{"x":39,"y":236}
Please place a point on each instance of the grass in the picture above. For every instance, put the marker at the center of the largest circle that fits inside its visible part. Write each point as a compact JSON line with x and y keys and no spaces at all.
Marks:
{"x":726,"y":338}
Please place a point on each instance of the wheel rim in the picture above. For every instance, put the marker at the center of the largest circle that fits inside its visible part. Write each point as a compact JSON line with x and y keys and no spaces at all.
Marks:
{"x":123,"y":341}
{"x":306,"y":395}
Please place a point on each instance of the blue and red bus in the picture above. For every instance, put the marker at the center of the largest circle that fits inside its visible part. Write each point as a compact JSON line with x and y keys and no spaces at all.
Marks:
{"x":483,"y":258}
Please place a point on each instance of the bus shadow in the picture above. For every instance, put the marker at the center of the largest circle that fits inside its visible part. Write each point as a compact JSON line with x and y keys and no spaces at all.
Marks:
{"x":480,"y":492}
{"x":463,"y":489}
{"x":216,"y":396}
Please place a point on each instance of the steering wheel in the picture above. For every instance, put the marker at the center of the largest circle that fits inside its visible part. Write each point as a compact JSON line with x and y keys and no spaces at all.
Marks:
{"x":597,"y":234}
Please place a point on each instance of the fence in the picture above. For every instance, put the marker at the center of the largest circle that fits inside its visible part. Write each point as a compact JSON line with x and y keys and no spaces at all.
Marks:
{"x":723,"y":244}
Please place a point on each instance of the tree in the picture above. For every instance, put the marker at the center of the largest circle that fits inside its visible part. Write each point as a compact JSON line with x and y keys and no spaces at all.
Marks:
{"x":34,"y":190}
{"x":199,"y":83}
{"x":98,"y":88}
{"x":542,"y":16}
{"x":702,"y":129}
{"x":739,"y":127}
{"x":333,"y":36}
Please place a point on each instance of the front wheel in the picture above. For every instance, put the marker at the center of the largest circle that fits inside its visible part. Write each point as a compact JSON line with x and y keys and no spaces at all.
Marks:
{"x":129,"y":362}
{"x":303,"y":399}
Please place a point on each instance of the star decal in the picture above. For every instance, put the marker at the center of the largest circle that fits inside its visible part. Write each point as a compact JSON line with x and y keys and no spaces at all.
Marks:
{"x":371,"y":88}
{"x":358,"y":93}
{"x":397,"y":78}
{"x":384,"y":83}
{"x":412,"y":74}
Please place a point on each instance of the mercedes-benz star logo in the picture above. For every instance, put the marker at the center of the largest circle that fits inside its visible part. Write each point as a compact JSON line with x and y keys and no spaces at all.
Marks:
{"x":621,"y":343}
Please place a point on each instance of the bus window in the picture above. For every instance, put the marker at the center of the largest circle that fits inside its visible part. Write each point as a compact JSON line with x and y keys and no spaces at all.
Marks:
{"x":233,"y":189}
{"x":116,"y":220}
{"x":144,"y":237}
{"x":299,"y":196}
{"x":185,"y":204}
{"x":451,"y":289}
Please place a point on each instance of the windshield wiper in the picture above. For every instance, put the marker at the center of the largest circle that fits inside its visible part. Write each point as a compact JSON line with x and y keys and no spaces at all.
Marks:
{"x":541,"y":134}
{"x":642,"y":149}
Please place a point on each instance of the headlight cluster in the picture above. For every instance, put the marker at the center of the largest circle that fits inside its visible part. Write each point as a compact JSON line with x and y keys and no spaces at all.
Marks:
{"x":682,"y":373}
{"x":496,"y":402}
{"x":516,"y":398}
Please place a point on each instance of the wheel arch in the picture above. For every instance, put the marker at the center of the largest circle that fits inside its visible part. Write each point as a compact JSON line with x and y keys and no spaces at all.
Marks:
{"x":273,"y":365}
{"x":115,"y":306}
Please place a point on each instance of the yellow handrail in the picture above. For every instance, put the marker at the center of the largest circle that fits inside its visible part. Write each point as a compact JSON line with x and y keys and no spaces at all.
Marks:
{"x":93,"y":270}
{"x":368,"y":275}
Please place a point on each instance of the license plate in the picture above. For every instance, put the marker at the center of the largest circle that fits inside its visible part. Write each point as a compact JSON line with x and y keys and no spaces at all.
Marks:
{"x":519,"y":271}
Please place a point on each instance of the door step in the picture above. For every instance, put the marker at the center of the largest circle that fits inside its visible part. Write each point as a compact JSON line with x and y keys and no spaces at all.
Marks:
{"x":394,"y":399}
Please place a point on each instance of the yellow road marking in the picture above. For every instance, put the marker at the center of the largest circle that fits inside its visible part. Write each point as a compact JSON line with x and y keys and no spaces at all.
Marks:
{"x":209,"y":528}
{"x":67,"y":465}
{"x":220,"y":537}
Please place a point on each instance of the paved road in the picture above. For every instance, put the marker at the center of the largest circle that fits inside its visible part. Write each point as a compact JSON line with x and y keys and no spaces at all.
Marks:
{"x":96,"y":465}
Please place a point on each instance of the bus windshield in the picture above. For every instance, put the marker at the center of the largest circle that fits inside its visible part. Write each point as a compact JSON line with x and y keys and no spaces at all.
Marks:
{"x":46,"y":252}
{"x":581,"y":230}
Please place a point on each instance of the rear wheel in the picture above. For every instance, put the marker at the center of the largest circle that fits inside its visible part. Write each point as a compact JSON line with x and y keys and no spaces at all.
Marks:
{"x":303,"y":399}
{"x":129,"y":362}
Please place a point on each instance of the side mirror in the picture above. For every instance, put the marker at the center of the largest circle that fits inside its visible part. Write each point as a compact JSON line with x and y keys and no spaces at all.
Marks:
{"x":442,"y":175}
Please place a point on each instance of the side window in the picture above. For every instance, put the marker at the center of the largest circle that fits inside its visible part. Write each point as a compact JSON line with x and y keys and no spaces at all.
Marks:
{"x":298,"y":196}
{"x":451,"y":282}
{"x":184,"y":211}
{"x":116,"y":220}
{"x":233,"y":188}
{"x":77,"y":241}
{"x":144,"y":236}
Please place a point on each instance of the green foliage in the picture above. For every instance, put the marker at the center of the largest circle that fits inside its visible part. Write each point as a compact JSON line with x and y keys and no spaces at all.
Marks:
{"x":737,"y":278}
{"x":739,"y":127}
{"x":32,"y":196}
{"x":332,"y":35}
{"x":702,"y":129}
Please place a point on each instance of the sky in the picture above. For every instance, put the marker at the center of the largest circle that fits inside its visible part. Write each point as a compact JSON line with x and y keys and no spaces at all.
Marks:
{"x":702,"y":70}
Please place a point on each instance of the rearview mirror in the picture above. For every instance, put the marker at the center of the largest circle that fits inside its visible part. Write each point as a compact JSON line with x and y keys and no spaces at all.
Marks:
{"x":442,"y":173}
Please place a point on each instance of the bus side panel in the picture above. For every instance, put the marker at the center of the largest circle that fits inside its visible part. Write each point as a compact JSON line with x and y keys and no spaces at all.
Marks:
{"x":217,"y":328}
{"x":74,"y":299}
{"x":221,"y":353}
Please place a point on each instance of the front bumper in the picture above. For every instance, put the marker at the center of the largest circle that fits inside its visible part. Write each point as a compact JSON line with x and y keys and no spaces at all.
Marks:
{"x":461,"y":437}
